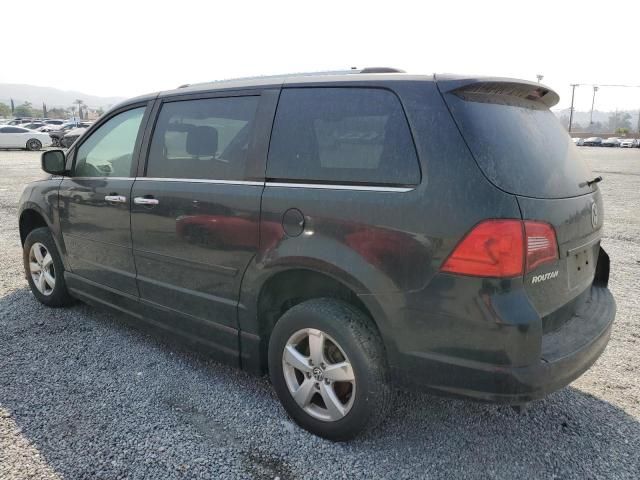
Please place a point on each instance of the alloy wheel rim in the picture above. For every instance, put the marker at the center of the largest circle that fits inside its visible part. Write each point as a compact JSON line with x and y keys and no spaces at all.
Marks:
{"x":42,"y":269}
{"x":319,"y":375}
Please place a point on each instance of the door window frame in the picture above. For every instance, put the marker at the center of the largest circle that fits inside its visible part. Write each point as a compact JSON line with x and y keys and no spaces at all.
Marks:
{"x":256,"y":162}
{"x":137,"y":146}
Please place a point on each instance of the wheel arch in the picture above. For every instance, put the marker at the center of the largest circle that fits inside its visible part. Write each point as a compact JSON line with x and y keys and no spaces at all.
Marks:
{"x":273,"y":293}
{"x":32,"y":216}
{"x":30,"y":219}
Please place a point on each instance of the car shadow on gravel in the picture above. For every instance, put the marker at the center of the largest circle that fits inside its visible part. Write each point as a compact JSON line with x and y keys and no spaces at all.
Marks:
{"x":99,"y":399}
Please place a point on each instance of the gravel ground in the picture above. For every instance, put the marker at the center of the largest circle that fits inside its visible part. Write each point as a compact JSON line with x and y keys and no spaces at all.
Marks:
{"x":85,"y":395}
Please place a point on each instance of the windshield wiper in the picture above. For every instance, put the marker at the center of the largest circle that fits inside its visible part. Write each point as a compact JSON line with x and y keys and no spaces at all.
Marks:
{"x":598,"y":179}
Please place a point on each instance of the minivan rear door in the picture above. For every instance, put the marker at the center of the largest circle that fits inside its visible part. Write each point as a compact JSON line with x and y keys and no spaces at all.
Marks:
{"x":522,"y":148}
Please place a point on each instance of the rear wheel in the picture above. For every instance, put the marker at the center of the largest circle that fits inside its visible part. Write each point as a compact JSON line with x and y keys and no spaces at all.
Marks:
{"x":44,"y":269}
{"x":34,"y":144}
{"x":328,"y":367}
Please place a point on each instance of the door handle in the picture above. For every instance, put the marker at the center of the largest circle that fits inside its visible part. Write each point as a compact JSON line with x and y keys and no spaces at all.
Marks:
{"x":115,"y":198}
{"x":145,"y":201}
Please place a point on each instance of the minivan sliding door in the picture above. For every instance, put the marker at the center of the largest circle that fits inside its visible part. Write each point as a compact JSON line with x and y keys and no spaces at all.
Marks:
{"x":195,"y":214}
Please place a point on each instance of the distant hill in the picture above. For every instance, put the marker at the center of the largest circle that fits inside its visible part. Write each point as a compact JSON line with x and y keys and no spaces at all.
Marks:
{"x":53,"y":97}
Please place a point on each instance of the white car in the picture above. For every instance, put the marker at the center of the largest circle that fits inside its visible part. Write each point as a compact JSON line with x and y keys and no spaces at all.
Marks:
{"x":578,"y":141}
{"x":627,"y":143}
{"x":18,"y":137}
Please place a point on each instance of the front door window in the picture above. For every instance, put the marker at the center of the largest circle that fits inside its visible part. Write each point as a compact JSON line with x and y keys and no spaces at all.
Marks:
{"x":108,"y":152}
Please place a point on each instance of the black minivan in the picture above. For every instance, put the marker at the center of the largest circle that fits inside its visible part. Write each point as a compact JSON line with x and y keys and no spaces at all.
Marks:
{"x":349,"y":233}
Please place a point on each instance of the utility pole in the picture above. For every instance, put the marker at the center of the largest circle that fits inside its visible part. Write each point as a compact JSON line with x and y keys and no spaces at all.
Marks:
{"x":539,"y":77}
{"x":593,"y":101}
{"x":573,"y":93}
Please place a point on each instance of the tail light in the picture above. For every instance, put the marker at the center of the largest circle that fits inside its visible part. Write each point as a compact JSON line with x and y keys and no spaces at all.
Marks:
{"x":503,"y":248}
{"x":542,"y":246}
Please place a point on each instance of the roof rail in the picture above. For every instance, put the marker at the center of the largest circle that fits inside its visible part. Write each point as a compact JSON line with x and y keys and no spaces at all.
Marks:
{"x":381,"y":70}
{"x":352,"y":70}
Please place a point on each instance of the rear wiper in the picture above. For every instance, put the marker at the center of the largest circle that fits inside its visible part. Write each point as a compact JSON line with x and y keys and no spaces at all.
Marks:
{"x":598,"y":179}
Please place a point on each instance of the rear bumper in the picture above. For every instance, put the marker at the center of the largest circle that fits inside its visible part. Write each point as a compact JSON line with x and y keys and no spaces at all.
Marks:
{"x":561,"y":361}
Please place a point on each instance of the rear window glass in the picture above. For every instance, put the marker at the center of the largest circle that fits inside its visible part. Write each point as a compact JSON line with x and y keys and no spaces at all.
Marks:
{"x":521,"y":147}
{"x":342,"y":135}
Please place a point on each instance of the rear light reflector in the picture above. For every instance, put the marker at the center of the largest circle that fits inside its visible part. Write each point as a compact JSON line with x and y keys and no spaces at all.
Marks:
{"x":503,"y":248}
{"x":542,"y":246}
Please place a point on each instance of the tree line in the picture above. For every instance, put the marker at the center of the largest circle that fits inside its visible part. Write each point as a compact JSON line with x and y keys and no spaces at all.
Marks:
{"x":26,"y":109}
{"x":618,"y":122}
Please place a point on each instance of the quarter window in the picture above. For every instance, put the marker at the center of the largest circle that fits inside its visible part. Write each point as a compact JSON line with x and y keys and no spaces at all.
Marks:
{"x":108,"y":152}
{"x":342,"y":135}
{"x":202,"y":139}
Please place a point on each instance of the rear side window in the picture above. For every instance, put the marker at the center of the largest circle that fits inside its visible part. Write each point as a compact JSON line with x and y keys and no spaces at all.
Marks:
{"x":202,"y":139}
{"x":342,"y":135}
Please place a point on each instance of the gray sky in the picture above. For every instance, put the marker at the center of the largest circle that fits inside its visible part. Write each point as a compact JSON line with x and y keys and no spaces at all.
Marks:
{"x":132,"y":47}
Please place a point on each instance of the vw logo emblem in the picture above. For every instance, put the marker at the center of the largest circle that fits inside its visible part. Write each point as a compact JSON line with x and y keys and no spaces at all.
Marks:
{"x":594,"y":215}
{"x":317,"y":374}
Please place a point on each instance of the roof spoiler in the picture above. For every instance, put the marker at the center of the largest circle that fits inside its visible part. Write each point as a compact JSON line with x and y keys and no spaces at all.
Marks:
{"x":497,"y":90}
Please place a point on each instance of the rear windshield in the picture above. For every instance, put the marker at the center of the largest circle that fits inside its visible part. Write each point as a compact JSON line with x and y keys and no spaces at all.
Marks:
{"x":521,"y":146}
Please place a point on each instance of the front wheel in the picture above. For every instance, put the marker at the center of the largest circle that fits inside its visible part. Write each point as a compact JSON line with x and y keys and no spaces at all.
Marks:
{"x":328,"y":367}
{"x":34,"y":144}
{"x":44,"y":269}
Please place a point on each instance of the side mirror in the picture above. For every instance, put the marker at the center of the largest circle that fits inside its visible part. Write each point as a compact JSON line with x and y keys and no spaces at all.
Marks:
{"x":53,"y":162}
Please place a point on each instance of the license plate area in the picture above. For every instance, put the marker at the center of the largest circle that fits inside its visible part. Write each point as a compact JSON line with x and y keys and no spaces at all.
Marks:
{"x":581,"y":264}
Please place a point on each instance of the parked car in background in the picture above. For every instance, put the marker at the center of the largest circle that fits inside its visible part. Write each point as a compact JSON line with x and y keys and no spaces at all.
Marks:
{"x":72,"y":135}
{"x":611,"y":142}
{"x":49,"y":128}
{"x":51,"y":125}
{"x":33,"y":125}
{"x":593,"y":142}
{"x":627,"y":142}
{"x":20,"y":121}
{"x":12,"y":136}
{"x":57,"y":134}
{"x":578,"y":141}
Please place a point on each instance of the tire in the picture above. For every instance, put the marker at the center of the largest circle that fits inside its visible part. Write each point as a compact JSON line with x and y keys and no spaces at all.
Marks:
{"x":34,"y":144}
{"x":350,"y":338}
{"x":52,"y":295}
